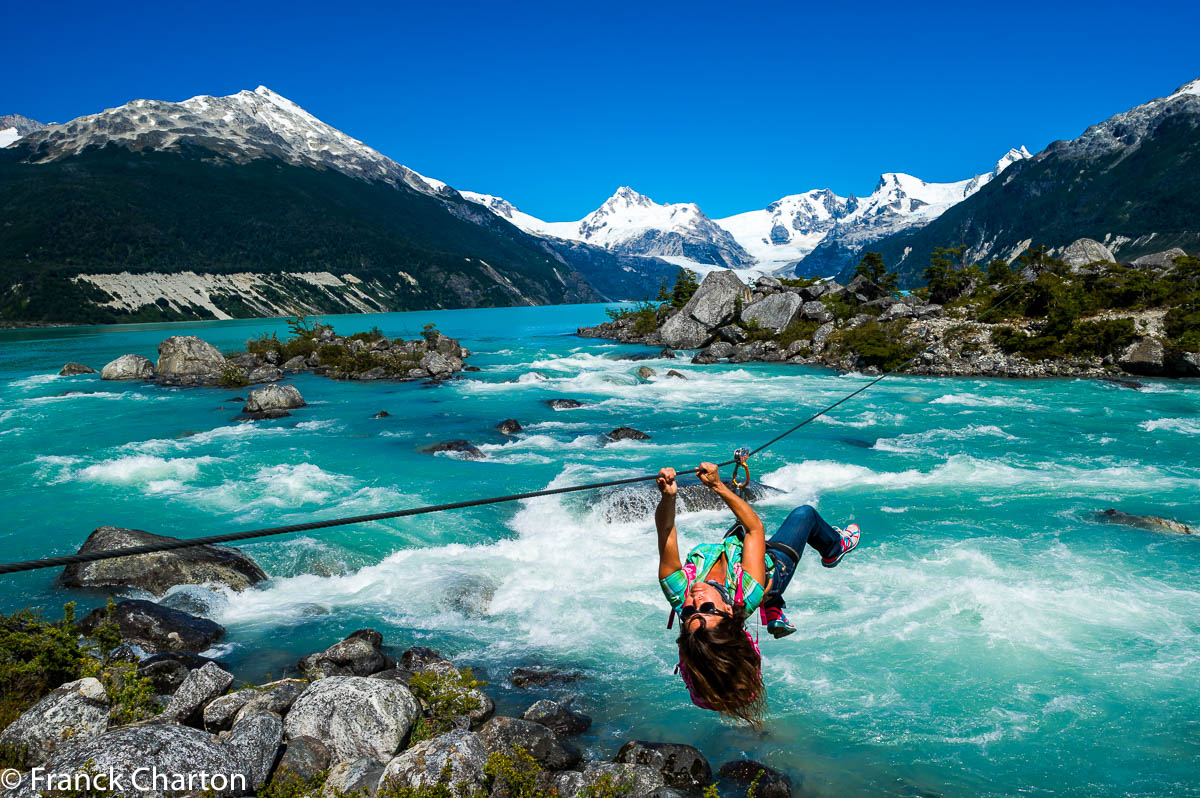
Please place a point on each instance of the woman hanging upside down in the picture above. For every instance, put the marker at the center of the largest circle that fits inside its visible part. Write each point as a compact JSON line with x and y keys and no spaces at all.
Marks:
{"x":721,"y":584}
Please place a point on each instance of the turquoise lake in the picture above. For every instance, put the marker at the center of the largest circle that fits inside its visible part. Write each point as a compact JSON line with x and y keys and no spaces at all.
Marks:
{"x":988,"y":638}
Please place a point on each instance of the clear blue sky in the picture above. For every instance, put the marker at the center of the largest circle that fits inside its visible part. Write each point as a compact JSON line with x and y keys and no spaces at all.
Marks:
{"x":555,"y":105}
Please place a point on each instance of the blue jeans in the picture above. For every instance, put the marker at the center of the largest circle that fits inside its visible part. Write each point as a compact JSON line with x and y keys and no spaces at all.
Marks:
{"x":803,"y":525}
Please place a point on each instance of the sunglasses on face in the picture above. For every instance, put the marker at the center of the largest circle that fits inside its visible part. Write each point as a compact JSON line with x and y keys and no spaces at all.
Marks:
{"x":707,"y":608}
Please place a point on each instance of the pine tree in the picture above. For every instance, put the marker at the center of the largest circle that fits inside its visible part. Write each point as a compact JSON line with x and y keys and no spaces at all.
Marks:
{"x":872,"y":267}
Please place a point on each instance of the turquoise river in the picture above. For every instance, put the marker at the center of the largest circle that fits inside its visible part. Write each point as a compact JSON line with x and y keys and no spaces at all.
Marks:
{"x":989,"y":637}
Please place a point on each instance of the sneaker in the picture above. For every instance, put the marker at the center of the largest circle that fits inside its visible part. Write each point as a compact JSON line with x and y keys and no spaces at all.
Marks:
{"x":850,"y":536}
{"x":777,"y":623}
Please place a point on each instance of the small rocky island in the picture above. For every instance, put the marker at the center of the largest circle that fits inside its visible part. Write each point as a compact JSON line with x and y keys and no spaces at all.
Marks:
{"x":1081,"y":314}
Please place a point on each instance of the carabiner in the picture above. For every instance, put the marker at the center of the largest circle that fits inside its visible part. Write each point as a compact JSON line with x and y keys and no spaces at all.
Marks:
{"x":740,"y":456}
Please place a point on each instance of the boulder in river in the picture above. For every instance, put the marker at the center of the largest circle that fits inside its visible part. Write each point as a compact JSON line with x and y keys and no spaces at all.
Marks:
{"x":155,"y":628}
{"x":273,"y":398}
{"x":559,"y":718}
{"x":527,"y":676}
{"x":74,"y":712}
{"x":676,"y":374}
{"x":645,"y":372}
{"x":771,"y":783}
{"x":128,"y":367}
{"x":72,"y":369}
{"x":187,"y":360}
{"x":264,"y":374}
{"x":682,"y":766}
{"x":627,"y":434}
{"x":159,"y":571}
{"x":564,"y":404}
{"x":1144,"y":356}
{"x":359,"y":654}
{"x":382,"y":414}
{"x":468,"y":450}
{"x":509,"y":426}
{"x":355,"y":716}
{"x":1148,"y":522}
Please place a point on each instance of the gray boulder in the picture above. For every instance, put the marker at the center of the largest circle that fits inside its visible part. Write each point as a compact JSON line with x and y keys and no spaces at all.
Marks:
{"x":272,"y":698}
{"x":682,"y":766}
{"x":559,"y":718}
{"x":503,"y":735}
{"x":424,"y":764}
{"x":632,"y":781}
{"x":359,"y":777}
{"x":1159,"y":260}
{"x":159,"y":571}
{"x":420,"y":659}
{"x":155,"y":628}
{"x":1084,"y":251}
{"x":1144,"y":356}
{"x":711,"y":306}
{"x":864,"y":287}
{"x":72,"y":369}
{"x":816,"y":311}
{"x":774,"y":311}
{"x":527,"y":676}
{"x":627,"y":434}
{"x":645,"y":372}
{"x":564,"y":404}
{"x":304,"y":759}
{"x":359,"y":654}
{"x":201,"y":686}
{"x":128,"y":367}
{"x":1148,"y":522}
{"x":509,"y":426}
{"x":264,"y":374}
{"x":219,"y":713}
{"x":164,"y":748}
{"x":714,"y":352}
{"x":732,"y":333}
{"x":744,"y":353}
{"x":768,"y":284}
{"x":440,"y":366}
{"x":771,"y":783}
{"x":295,"y":363}
{"x":254,"y":743}
{"x":464,"y":447}
{"x":187,"y":360}
{"x":273,"y":397}
{"x":1185,"y":364}
{"x":677,"y":374}
{"x":815,"y":291}
{"x":897,"y":311}
{"x":70,"y":714}
{"x":354,"y":716}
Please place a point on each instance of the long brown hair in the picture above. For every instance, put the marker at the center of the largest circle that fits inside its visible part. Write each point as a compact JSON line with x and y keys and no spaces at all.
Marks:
{"x":724,"y":669}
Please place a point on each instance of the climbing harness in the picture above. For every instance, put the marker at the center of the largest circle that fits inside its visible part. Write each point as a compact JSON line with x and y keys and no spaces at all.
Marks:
{"x":170,"y":545}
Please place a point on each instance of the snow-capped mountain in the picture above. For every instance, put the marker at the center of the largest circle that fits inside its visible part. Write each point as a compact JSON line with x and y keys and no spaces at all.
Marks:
{"x":243,"y":126}
{"x":772,"y":239}
{"x":15,"y":126}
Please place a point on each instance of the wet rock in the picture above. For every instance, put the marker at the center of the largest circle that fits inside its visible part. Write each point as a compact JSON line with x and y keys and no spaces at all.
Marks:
{"x":503,"y":735}
{"x":382,"y":414}
{"x":264,"y":374}
{"x":666,"y":354}
{"x":467,"y":449}
{"x":771,"y":783}
{"x":645,"y":372}
{"x":676,"y":374}
{"x":273,"y":697}
{"x":1133,"y":385}
{"x":70,"y":714}
{"x":359,"y":777}
{"x":295,"y":363}
{"x":472,"y":368}
{"x":1085,"y":251}
{"x":564,"y":404}
{"x":188,"y":360}
{"x":559,"y":718}
{"x":671,"y":792}
{"x":423,"y":765}
{"x":272,"y":398}
{"x":682,"y":766}
{"x":359,"y":654}
{"x":509,"y":426}
{"x":627,"y":434}
{"x":469,"y":594}
{"x":162,"y":748}
{"x":528,"y":676}
{"x":159,"y":571}
{"x":715,"y":351}
{"x":72,"y":369}
{"x":201,"y":686}
{"x":774,"y":311}
{"x":1149,"y":522}
{"x":128,"y":367}
{"x":354,"y":716}
{"x":419,"y":659}
{"x":303,"y":759}
{"x":1144,"y":356}
{"x":155,"y":628}
{"x":254,"y":743}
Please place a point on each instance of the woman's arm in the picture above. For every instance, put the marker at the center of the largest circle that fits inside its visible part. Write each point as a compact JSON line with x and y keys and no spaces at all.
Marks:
{"x":664,"y":519}
{"x":754,"y":546}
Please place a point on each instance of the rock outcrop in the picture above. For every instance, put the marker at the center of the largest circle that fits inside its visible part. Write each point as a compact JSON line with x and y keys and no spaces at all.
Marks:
{"x":468,"y":450}
{"x":157,"y":572}
{"x":128,"y":367}
{"x":75,"y":712}
{"x":156,"y":629}
{"x":357,"y":655}
{"x":73,"y":369}
{"x":187,"y":360}
{"x":1148,"y":522}
{"x":713,"y":304}
{"x":273,"y":401}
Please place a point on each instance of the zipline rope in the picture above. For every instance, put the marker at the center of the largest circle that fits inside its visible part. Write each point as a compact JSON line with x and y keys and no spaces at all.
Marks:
{"x":169,"y":545}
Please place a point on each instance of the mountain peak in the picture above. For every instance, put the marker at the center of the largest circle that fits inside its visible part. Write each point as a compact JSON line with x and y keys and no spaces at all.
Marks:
{"x":1187,"y":88}
{"x":627,"y":196}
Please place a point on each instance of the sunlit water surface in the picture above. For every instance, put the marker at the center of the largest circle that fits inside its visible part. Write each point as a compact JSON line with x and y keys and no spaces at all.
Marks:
{"x":988,"y":638}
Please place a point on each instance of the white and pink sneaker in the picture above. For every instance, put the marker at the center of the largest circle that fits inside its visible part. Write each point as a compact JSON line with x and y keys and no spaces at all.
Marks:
{"x":850,"y":536}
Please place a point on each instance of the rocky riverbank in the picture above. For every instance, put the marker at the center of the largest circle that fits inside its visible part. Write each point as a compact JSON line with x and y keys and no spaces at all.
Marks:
{"x":862,"y":326}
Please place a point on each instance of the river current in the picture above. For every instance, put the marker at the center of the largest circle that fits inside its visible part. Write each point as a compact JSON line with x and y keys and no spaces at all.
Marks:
{"x":989,"y":637}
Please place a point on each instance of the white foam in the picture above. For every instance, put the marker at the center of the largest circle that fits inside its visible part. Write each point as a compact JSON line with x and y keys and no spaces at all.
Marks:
{"x":1184,"y":426}
{"x":975,"y":400}
{"x":35,"y":381}
{"x":144,"y":469}
{"x":916,"y":442}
